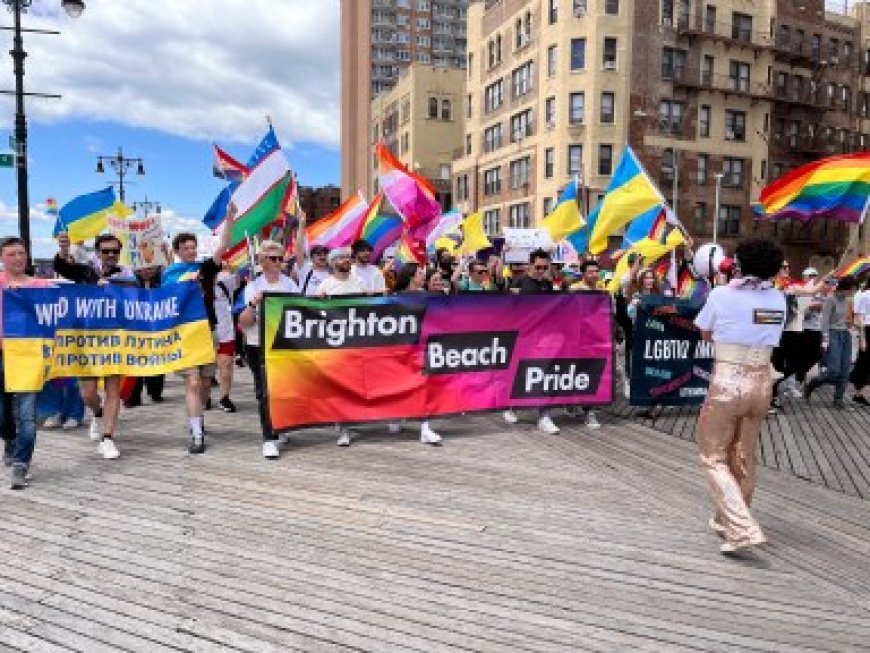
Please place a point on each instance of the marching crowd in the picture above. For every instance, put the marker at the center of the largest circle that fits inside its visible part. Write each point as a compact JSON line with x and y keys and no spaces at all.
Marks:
{"x":819,"y":318}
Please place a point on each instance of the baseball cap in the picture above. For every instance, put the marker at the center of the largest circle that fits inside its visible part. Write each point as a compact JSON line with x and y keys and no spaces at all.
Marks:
{"x":338,"y":252}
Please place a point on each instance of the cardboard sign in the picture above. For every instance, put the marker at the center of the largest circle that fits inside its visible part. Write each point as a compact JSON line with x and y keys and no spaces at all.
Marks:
{"x":519,"y":243}
{"x":142,"y":239}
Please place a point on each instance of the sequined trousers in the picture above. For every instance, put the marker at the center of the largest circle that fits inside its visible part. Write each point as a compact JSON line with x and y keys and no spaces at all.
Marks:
{"x":728,"y":431}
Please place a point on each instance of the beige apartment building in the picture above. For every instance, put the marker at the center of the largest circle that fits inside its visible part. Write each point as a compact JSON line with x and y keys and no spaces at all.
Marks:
{"x":420,"y":120}
{"x":380,"y":39}
{"x":723,"y":96}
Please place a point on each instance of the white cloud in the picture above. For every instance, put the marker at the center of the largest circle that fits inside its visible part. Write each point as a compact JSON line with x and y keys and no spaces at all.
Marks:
{"x":204,"y":69}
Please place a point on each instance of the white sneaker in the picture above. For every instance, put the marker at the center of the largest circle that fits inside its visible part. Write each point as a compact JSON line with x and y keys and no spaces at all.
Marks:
{"x":394,"y":428}
{"x":107,"y":449}
{"x":626,"y":389}
{"x":510,"y":417}
{"x":70,"y":424}
{"x":52,"y":422}
{"x":428,"y":436}
{"x":270,"y":449}
{"x":96,"y":429}
{"x":546,"y":425}
{"x":592,"y":421}
{"x":343,"y":437}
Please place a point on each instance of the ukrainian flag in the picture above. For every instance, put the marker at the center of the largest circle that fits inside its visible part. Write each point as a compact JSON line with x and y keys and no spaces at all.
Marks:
{"x":565,"y":219}
{"x":663,"y":235}
{"x":630,"y":195}
{"x":86,"y":216}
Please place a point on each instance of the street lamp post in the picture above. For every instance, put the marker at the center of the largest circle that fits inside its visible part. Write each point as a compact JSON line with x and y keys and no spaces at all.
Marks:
{"x":120,"y":164}
{"x":718,"y":176}
{"x":146,"y":206}
{"x":74,"y":9}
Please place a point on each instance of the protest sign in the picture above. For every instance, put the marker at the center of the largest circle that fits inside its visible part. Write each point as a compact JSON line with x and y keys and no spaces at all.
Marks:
{"x":143,"y":241}
{"x":519,"y":243}
{"x":76,"y":331}
{"x":670,"y":364}
{"x":415,"y":355}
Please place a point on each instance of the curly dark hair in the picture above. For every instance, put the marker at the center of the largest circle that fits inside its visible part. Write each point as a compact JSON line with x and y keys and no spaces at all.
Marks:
{"x":847,"y":283}
{"x":760,"y":258}
{"x":404,"y":276}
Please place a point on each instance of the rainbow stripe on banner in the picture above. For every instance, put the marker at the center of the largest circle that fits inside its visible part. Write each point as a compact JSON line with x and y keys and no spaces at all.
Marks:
{"x":436,"y":355}
{"x":857,"y":268}
{"x":81,"y":331}
{"x":837,"y":187}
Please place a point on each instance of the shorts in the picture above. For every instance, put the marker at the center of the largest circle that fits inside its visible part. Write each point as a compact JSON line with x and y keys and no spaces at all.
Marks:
{"x":206,"y":371}
{"x":227,"y":348}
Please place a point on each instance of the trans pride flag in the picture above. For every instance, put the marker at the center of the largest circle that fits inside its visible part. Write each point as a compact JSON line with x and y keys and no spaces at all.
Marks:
{"x":837,"y":187}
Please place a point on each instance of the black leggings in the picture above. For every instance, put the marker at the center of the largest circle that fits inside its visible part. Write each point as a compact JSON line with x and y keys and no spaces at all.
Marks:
{"x":253,"y":355}
{"x":861,"y":371}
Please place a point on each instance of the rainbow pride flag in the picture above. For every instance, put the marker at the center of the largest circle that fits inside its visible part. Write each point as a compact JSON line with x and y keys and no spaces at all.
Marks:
{"x":339,"y":228}
{"x":379,"y":230}
{"x":857,"y":268}
{"x":837,"y":187}
{"x":411,"y":251}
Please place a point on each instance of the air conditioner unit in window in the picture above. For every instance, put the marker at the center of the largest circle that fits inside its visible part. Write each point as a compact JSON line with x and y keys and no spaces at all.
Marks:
{"x":609,"y":65}
{"x":667,"y":21}
{"x":729,"y":135}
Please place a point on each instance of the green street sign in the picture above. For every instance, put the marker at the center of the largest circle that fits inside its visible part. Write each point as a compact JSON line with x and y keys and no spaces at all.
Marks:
{"x":7,"y":160}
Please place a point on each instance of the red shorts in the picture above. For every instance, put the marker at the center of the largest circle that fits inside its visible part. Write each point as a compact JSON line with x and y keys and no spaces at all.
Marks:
{"x":227,"y":348}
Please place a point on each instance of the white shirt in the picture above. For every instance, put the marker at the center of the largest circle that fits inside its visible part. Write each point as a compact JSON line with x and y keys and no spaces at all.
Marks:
{"x":223,"y":308}
{"x":258,"y":285}
{"x":330,"y":287}
{"x":861,"y":304}
{"x":744,"y":316}
{"x":371,"y":277}
{"x":313,"y":282}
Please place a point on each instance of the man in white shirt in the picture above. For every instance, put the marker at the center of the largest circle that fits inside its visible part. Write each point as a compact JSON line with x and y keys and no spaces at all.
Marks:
{"x":745,"y":319}
{"x":370,"y":276}
{"x":271,"y":258}
{"x":309,"y":272}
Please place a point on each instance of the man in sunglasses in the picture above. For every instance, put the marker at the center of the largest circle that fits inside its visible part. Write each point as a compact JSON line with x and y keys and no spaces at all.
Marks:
{"x":536,"y":280}
{"x":477,"y":280}
{"x":310,"y":273}
{"x":102,"y":271}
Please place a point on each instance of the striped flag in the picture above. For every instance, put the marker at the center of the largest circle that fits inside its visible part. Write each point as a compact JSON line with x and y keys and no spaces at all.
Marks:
{"x":340,"y":227}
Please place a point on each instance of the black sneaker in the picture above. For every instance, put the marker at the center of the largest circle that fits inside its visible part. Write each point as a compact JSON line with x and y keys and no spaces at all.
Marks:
{"x":133,"y":402}
{"x":860,"y":399}
{"x":227,"y":405}
{"x":19,"y":476}
{"x":839,"y":404}
{"x":197,"y":443}
{"x":240,"y":362}
{"x":775,"y":406}
{"x":207,"y":404}
{"x":158,"y":399}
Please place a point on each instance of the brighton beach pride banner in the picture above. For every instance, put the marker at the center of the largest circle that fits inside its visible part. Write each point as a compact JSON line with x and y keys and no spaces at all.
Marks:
{"x":670,"y":364}
{"x":416,"y":355}
{"x":75,"y":331}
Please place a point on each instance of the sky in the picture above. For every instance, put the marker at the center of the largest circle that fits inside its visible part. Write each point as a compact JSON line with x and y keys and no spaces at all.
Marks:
{"x":164,"y":79}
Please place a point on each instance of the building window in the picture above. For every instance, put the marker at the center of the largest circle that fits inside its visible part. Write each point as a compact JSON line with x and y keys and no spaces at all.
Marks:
{"x":521,"y":79}
{"x":710,"y":19}
{"x":549,"y":162}
{"x":609,"y":53}
{"x":703,"y":168}
{"x":704,"y":121}
{"x":732,"y":170}
{"x":547,"y":206}
{"x":519,"y":217}
{"x":605,"y":159}
{"x":741,"y":27}
{"x":611,"y":7}
{"x":735,"y":125}
{"x":700,"y":218}
{"x":493,"y":96}
{"x":667,"y":12}
{"x":445,"y":110}
{"x":552,"y":11}
{"x":468,"y":144}
{"x":673,"y":63}
{"x":576,"y":107}
{"x":550,"y":112}
{"x":492,"y":138}
{"x":667,"y":167}
{"x":729,"y":220}
{"x":578,"y":54}
{"x":521,"y":125}
{"x":575,"y":160}
{"x":492,"y":181}
{"x":738,"y":72}
{"x":608,"y":102}
{"x":491,"y":222}
{"x":433,"y":107}
{"x":671,"y":115}
{"x":551,"y":61}
{"x":519,"y":172}
{"x":468,"y":106}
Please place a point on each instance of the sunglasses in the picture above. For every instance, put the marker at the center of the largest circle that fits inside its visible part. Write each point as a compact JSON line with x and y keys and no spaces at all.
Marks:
{"x":478,"y":271}
{"x":110,"y":251}
{"x":275,"y":259}
{"x":542,"y":267}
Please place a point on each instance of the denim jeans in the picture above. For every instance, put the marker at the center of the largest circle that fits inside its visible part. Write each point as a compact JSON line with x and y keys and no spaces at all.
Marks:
{"x":24,"y":417}
{"x":60,"y":397}
{"x":838,"y":360}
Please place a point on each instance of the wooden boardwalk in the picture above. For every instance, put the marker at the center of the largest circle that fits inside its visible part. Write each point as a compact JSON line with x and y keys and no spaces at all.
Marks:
{"x":814,"y":441}
{"x":504,"y":539}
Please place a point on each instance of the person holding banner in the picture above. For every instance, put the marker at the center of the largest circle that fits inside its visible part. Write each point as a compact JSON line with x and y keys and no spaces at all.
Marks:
{"x":745,"y":320}
{"x":197,"y":380}
{"x":21,"y":419}
{"x":535,"y":280}
{"x":310,"y":273}
{"x":370,"y":275}
{"x":272,"y":280}
{"x":146,"y":278}
{"x":105,"y":270}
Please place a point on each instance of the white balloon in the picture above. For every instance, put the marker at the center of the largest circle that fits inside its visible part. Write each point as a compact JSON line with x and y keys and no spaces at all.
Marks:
{"x":707,"y":259}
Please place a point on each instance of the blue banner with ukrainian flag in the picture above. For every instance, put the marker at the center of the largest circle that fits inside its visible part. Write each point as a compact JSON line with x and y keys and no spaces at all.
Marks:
{"x":86,"y":331}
